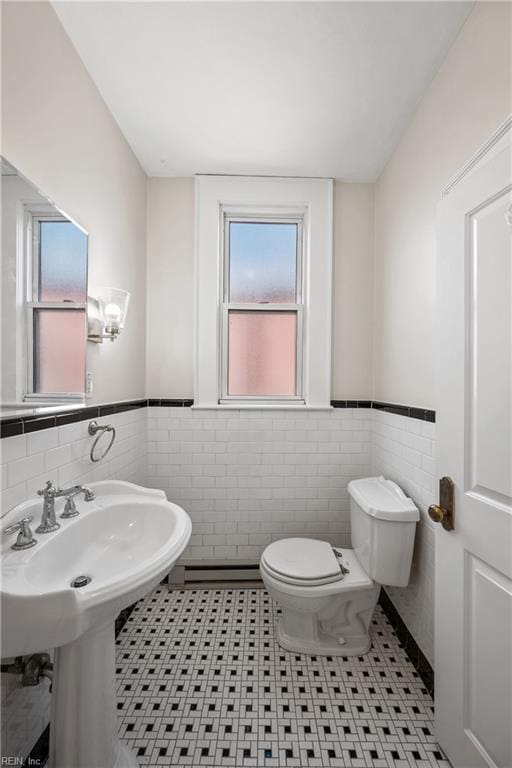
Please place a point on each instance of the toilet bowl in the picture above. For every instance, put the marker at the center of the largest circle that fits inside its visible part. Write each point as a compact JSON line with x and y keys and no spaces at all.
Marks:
{"x":328,"y":594}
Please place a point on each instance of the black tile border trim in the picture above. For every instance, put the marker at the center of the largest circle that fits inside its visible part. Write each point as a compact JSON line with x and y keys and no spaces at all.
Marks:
{"x":173,"y":402}
{"x":351,"y":403}
{"x":21,"y":425}
{"x":411,"y":411}
{"x":423,"y":414}
{"x":407,"y":641}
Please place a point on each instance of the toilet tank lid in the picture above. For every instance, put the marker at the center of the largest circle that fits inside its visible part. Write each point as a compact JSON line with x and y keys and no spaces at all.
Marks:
{"x":384,"y":499}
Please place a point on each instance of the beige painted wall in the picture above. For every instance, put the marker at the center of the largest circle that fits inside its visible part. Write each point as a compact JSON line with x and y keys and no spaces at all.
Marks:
{"x":57,"y":131}
{"x":466,"y":102}
{"x":170,"y":288}
{"x":352,"y":323}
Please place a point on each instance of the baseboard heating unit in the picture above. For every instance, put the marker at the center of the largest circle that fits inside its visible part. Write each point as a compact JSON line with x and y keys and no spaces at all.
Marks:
{"x":221,"y":575}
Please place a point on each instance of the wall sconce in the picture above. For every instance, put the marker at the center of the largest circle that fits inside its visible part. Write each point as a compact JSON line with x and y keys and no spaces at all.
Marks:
{"x":106,"y":314}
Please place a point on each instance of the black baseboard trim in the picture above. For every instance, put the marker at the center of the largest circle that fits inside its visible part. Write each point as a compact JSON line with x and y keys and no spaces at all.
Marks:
{"x":122,"y":619}
{"x":40,"y":752}
{"x":219,"y":567}
{"x":407,"y":641}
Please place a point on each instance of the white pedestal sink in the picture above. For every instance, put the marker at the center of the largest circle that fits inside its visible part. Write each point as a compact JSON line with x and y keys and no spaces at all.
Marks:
{"x":125,"y":540}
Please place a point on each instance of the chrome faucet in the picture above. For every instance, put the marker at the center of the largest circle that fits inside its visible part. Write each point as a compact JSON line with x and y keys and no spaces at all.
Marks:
{"x":50,"y":493}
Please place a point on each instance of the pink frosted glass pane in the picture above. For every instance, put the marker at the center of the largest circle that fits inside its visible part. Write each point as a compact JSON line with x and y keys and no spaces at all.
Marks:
{"x":262,"y":353}
{"x":59,"y":350}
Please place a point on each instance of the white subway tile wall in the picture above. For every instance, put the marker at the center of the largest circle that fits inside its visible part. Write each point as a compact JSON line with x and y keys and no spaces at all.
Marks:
{"x":247,"y":478}
{"x":61,"y":454}
{"x":403,"y":450}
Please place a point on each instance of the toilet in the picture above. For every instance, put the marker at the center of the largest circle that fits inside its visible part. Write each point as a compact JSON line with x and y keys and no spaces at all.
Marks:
{"x":328,"y":594}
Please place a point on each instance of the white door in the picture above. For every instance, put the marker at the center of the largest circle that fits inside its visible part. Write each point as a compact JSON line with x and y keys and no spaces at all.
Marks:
{"x":473,"y":589}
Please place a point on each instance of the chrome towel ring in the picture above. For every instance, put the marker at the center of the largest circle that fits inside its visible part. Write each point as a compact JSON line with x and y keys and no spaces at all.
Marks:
{"x":99,"y":430}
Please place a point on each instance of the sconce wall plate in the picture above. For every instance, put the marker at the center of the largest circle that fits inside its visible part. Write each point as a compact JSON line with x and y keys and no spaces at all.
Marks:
{"x":94,"y":321}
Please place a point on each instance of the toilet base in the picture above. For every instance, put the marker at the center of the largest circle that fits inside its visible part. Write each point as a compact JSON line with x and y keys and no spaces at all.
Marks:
{"x":330,"y":619}
{"x":323,"y":645}
{"x":332,"y":624}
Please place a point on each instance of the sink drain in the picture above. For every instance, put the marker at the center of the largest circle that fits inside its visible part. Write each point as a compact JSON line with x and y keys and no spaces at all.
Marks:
{"x":80,"y":581}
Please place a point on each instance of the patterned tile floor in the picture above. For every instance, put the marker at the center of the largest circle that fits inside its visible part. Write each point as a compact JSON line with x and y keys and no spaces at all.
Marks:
{"x":201,"y":681}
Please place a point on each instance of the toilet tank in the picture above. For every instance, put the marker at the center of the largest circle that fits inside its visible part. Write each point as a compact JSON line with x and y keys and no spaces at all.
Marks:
{"x":383,"y":521}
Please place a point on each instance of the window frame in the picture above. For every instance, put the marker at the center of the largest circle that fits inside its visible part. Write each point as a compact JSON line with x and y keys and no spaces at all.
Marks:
{"x":298,"y":308}
{"x":34,"y":215}
{"x":311,"y":198}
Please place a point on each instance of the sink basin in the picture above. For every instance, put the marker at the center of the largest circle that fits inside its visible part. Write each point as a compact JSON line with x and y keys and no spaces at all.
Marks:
{"x":125,"y":541}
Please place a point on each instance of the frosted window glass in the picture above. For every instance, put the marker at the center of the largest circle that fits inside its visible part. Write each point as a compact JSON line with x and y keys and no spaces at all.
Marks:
{"x":59,"y":350}
{"x":62,"y":261}
{"x":262,"y":262}
{"x":262,"y":353}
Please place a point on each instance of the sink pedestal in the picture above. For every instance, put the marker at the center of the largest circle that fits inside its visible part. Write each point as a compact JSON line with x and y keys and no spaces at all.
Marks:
{"x":83,"y":731}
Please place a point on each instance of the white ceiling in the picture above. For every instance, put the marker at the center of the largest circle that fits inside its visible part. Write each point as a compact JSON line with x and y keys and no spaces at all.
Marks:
{"x":280,"y":88}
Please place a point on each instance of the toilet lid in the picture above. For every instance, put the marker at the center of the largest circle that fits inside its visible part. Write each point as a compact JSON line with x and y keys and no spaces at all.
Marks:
{"x":302,"y":559}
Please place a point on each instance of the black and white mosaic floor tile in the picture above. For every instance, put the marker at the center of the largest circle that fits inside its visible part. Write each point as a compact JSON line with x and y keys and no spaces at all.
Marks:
{"x":201,"y":681}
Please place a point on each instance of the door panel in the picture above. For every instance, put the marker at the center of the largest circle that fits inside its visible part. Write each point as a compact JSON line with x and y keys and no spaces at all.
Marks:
{"x":473,"y":589}
{"x":488,"y":711}
{"x":489,"y":350}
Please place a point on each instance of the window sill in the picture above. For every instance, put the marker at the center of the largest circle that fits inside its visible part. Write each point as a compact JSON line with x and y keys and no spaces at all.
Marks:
{"x":42,"y":401}
{"x":261,"y":407}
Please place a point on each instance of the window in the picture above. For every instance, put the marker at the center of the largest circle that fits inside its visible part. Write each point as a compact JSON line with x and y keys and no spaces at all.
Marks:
{"x":56,"y":326}
{"x":263,"y":292}
{"x":262,"y":309}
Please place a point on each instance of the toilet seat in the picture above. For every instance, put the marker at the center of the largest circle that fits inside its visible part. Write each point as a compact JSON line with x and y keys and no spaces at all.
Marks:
{"x":304,"y":562}
{"x":283,"y":565}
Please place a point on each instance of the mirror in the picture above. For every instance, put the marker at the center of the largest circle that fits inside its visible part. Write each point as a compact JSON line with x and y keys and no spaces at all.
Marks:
{"x":44,"y":299}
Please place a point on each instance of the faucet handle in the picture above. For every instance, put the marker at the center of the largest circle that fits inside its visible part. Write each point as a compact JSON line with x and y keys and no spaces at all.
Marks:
{"x":25,"y":539}
{"x":19,"y":525}
{"x":70,"y":509}
{"x":48,"y":490}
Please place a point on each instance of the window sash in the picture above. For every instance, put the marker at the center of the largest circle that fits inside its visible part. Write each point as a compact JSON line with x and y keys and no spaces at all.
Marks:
{"x":33,"y":217}
{"x":35,"y":261}
{"x":227,"y":306}
{"x":31,"y":308}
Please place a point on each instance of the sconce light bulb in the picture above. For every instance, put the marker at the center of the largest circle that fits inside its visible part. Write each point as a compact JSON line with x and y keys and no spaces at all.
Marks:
{"x":112,"y":313}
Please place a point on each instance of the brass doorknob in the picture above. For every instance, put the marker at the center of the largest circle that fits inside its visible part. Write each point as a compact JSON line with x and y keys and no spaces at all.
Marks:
{"x":444,"y":511}
{"x":436,"y":513}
